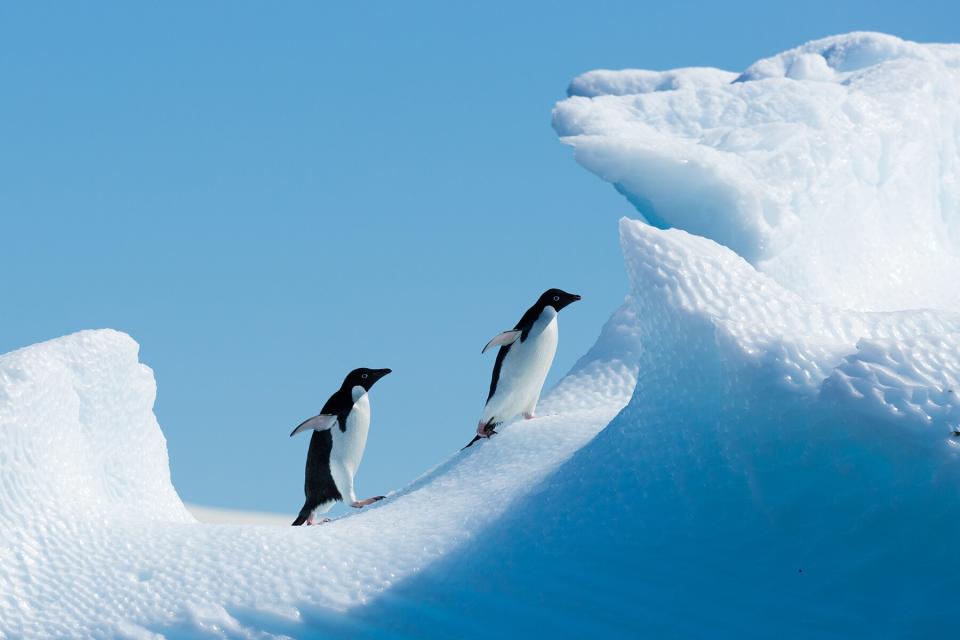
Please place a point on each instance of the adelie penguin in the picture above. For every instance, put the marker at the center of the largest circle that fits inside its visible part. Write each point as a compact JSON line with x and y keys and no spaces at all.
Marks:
{"x":337,"y":444}
{"x":525,"y":355}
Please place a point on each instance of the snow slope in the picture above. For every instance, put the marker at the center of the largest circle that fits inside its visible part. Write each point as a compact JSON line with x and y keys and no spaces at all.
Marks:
{"x":760,"y":443}
{"x":87,"y":502}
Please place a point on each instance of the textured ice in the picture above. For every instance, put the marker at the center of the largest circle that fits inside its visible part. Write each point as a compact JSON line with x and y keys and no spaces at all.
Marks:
{"x":909,"y":361}
{"x":916,"y":377}
{"x":833,"y":167}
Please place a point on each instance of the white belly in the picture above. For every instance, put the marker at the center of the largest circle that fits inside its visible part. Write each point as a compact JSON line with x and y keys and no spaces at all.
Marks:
{"x":348,"y":445}
{"x":524,"y":371}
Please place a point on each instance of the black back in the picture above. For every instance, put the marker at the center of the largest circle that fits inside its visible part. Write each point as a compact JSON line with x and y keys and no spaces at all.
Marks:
{"x":318,"y":484}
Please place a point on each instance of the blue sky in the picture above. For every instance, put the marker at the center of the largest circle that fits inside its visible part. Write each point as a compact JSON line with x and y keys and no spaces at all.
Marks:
{"x":267,"y":196}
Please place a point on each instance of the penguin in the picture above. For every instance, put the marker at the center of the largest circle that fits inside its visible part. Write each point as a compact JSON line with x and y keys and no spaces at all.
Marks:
{"x":337,"y":444}
{"x":525,"y":355}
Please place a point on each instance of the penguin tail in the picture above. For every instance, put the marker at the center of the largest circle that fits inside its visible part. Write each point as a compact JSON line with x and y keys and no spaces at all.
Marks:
{"x":470,"y":444}
{"x":305,"y":513}
{"x":488,"y":429}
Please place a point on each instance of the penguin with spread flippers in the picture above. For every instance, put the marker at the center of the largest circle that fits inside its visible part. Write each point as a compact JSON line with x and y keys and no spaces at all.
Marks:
{"x":337,"y":444}
{"x":525,"y":355}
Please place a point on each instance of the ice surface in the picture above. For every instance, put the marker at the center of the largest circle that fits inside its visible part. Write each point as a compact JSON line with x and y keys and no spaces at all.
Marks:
{"x":760,"y":444}
{"x":909,"y":361}
{"x":833,"y":167}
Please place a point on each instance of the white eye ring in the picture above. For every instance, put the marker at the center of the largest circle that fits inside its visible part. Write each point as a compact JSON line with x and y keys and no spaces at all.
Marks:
{"x":556,"y":298}
{"x":363,"y":375}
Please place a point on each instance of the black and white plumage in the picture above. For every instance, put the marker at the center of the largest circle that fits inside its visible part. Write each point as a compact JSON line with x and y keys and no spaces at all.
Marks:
{"x":523,"y":361}
{"x":337,"y":444}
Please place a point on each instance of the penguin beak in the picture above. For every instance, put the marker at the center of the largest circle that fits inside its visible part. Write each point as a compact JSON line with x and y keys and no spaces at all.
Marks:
{"x":575,"y":297}
{"x":382,"y":372}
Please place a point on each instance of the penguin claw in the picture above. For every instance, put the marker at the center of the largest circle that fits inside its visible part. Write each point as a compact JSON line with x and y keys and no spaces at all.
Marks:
{"x":487,"y":430}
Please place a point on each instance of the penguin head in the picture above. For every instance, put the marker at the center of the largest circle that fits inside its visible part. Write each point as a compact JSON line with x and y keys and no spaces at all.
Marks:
{"x":557,"y":298}
{"x":363,"y":377}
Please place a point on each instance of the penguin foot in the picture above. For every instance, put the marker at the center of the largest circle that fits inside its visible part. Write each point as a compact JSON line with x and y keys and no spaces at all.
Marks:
{"x":312,"y":522}
{"x":486,"y":429}
{"x":360,"y":504}
{"x":529,"y":416}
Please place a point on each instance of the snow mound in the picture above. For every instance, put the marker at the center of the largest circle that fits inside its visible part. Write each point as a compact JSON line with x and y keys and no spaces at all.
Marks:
{"x":78,"y":437}
{"x":834,"y":167}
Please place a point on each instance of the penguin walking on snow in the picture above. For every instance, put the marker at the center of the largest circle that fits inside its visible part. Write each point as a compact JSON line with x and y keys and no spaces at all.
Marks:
{"x":337,"y":444}
{"x":525,"y":355}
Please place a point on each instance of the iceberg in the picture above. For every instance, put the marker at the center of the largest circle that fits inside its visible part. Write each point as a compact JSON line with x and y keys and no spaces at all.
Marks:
{"x":760,"y":442}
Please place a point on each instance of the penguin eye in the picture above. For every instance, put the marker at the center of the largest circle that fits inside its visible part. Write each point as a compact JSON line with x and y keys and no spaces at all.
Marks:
{"x":556,"y":298}
{"x":363,"y":375}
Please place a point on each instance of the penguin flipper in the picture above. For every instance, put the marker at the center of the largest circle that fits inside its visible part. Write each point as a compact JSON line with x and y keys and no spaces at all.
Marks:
{"x":503,"y":339}
{"x":321,"y":422}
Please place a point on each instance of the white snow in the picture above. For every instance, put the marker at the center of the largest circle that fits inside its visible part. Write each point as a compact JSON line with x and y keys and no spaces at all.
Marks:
{"x":760,"y":443}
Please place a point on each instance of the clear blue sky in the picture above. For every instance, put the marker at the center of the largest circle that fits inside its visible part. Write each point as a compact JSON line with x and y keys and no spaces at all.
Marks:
{"x":266,"y":196}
